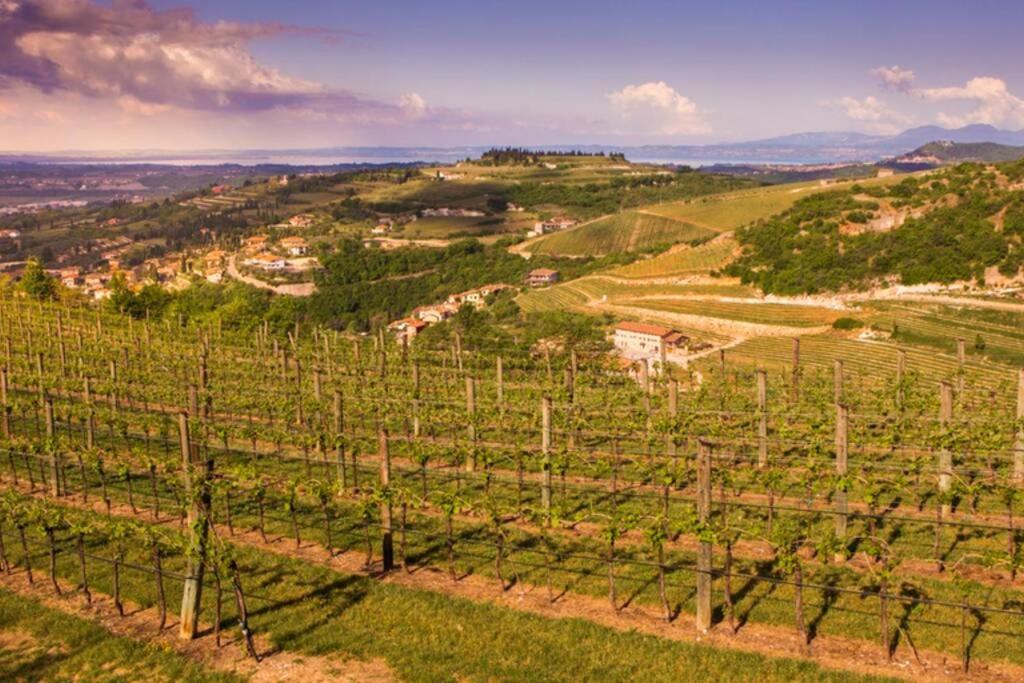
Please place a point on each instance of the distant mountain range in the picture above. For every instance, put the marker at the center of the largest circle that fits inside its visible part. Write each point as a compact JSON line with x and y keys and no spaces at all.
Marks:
{"x":946,"y":152}
{"x":831,"y":147}
{"x":798,"y":148}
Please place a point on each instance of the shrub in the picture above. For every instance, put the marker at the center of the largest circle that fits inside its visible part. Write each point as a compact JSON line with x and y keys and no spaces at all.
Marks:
{"x":847,"y":324}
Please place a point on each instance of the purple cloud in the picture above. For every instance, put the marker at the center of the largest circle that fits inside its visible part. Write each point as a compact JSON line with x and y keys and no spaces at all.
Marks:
{"x":132,"y":53}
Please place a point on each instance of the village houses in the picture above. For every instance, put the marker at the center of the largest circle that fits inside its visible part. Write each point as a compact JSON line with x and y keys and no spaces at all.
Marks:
{"x":295,"y":246}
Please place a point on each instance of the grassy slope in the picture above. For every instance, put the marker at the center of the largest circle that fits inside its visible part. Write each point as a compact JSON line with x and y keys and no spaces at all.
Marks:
{"x":627,"y":231}
{"x":39,"y":643}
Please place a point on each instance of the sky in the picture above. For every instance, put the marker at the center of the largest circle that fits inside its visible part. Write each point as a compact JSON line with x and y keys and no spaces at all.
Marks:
{"x":276,"y":74}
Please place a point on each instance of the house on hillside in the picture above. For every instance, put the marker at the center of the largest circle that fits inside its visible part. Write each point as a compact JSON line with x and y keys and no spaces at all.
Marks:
{"x":70,"y":276}
{"x":295,"y":246}
{"x":541,"y":277}
{"x":303,"y":220}
{"x":553,"y":225}
{"x":407,"y":328}
{"x":267,"y":261}
{"x":214,"y":259}
{"x":435,"y":313}
{"x":639,"y":340}
{"x":476,"y":297}
{"x":256,"y":242}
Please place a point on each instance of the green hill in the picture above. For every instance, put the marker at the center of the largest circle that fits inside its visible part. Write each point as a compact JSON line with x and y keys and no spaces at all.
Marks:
{"x":945,"y":227}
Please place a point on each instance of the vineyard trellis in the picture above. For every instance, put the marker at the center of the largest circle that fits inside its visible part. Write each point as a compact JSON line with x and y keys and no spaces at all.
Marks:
{"x":531,"y":460}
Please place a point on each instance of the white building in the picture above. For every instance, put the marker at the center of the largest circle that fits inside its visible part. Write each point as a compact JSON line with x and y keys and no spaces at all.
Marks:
{"x":641,"y":340}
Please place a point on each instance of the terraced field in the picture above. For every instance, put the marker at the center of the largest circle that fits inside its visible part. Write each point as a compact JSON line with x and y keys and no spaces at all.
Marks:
{"x":1000,"y":334}
{"x":625,"y":232}
{"x":869,"y":359}
{"x":728,"y":212}
{"x":768,"y":314}
{"x":682,"y":260}
{"x":571,"y":295}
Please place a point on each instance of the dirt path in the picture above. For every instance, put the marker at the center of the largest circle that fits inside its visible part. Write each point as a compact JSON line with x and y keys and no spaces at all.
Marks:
{"x":297,"y":289}
{"x":831,"y":652}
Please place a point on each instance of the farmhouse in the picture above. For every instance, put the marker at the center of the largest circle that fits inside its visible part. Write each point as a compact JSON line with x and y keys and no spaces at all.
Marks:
{"x":407,"y":328}
{"x":435,"y":313}
{"x":539,"y":277}
{"x":641,"y":339}
{"x":303,"y":220}
{"x":295,"y":246}
{"x":553,"y":225}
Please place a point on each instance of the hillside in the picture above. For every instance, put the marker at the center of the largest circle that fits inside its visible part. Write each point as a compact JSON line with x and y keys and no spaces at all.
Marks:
{"x":960,"y":224}
{"x":946,"y":152}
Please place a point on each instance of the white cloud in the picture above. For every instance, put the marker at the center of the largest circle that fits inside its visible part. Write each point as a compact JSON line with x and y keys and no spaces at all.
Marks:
{"x":868,"y":109}
{"x":412,"y":105}
{"x":994,"y":103}
{"x":875,"y":114}
{"x":655,"y":107}
{"x":894,"y":78}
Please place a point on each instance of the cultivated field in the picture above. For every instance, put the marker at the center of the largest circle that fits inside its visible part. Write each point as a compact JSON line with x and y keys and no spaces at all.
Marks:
{"x":622,"y":233}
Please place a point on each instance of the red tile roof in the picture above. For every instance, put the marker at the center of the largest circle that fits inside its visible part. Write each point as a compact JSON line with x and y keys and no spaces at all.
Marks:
{"x":644,"y":328}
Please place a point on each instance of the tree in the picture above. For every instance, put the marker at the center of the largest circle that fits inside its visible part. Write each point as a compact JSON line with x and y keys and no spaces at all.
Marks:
{"x":36,"y":283}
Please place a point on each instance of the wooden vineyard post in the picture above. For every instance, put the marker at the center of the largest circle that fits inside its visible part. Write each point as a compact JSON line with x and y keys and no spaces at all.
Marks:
{"x":842,"y":469}
{"x":796,"y":369}
{"x":5,"y":425}
{"x":416,"y":427}
{"x":1018,"y":444}
{"x":193,"y":399}
{"x":471,"y":422}
{"x":961,"y":359}
{"x":945,"y":464}
{"x":837,"y":382}
{"x":673,"y":413}
{"x":338,"y":425}
{"x":901,"y":373}
{"x":545,"y":448}
{"x":52,"y":447}
{"x":762,"y":423}
{"x":387,"y":542}
{"x":204,"y":385}
{"x":704,"y":546}
{"x":499,"y":371}
{"x":198,"y":491}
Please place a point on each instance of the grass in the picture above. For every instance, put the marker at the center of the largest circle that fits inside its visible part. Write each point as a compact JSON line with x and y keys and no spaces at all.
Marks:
{"x":427,"y":636}
{"x":39,"y":643}
{"x":624,"y":232}
{"x":448,"y":226}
